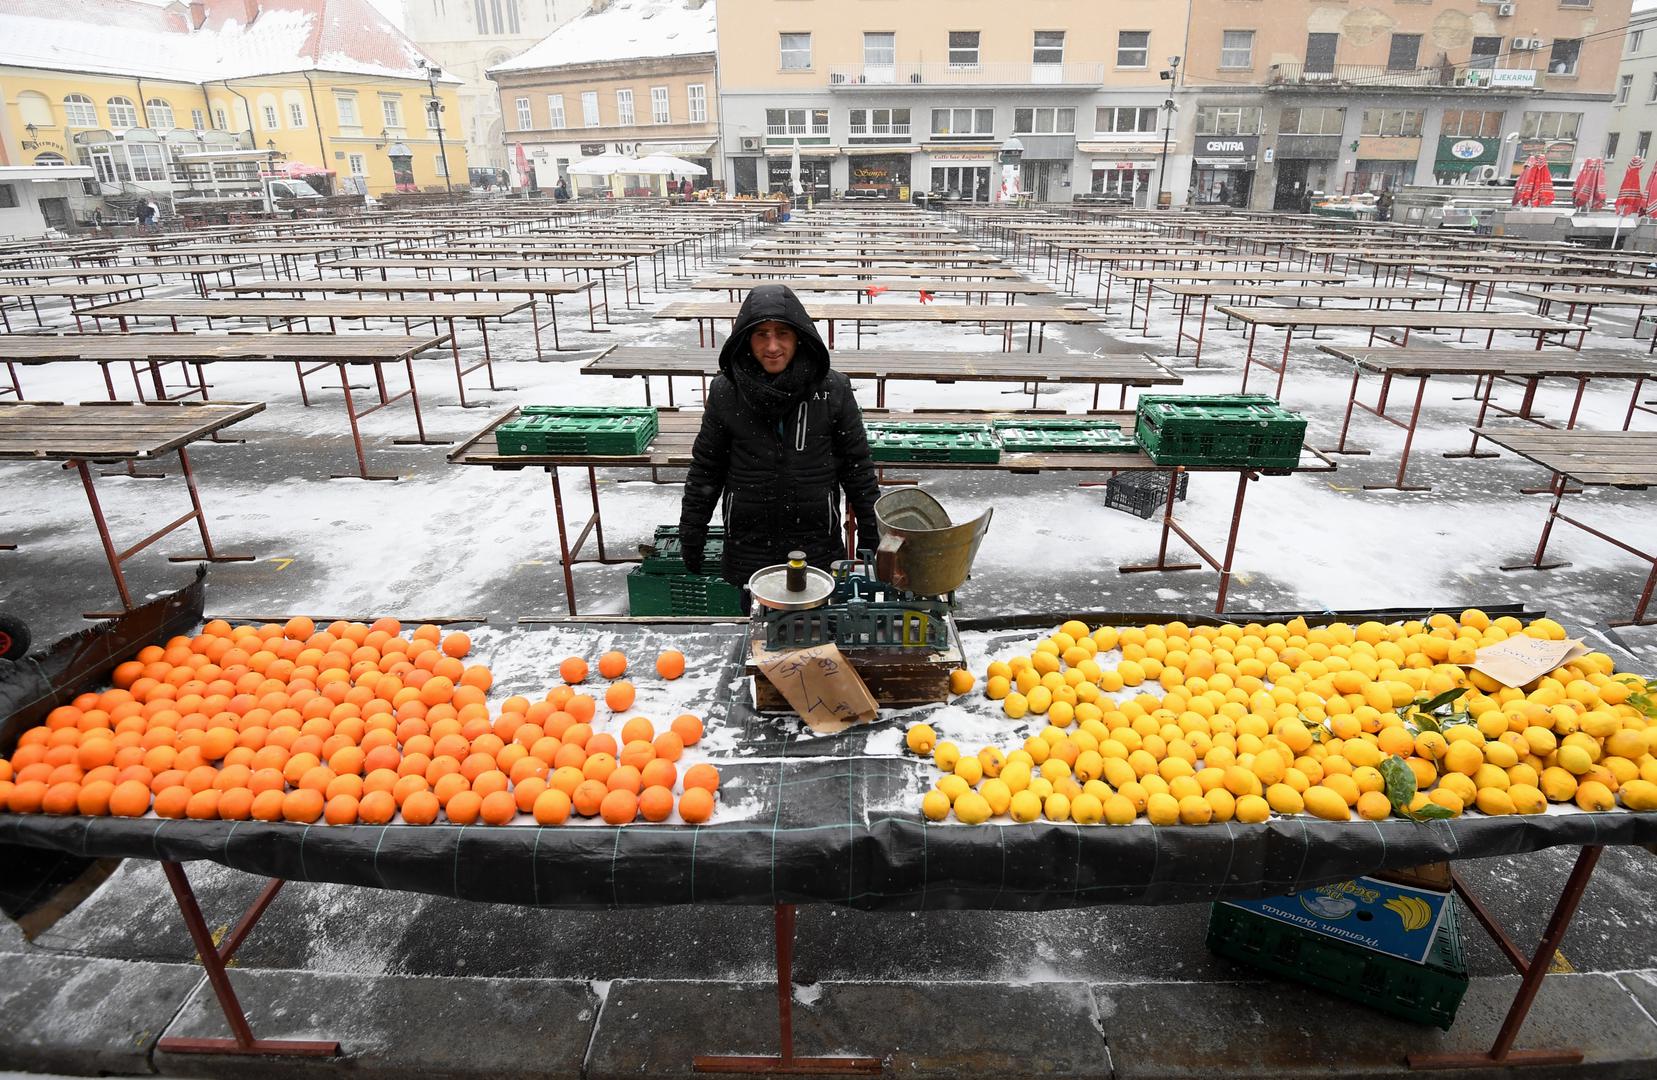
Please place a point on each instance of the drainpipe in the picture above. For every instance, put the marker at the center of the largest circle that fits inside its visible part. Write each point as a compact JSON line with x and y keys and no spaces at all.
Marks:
{"x":247,"y":107}
{"x":316,"y":115}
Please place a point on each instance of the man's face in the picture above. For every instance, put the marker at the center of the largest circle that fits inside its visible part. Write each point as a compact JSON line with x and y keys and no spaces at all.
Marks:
{"x":773,"y":344}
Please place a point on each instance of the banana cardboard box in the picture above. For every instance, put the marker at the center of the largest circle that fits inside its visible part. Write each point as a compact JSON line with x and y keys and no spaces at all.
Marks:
{"x":1390,"y":918}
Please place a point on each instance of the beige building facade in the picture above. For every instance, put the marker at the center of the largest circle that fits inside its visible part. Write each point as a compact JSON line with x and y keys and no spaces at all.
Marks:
{"x":1312,"y":96}
{"x":888,"y":99}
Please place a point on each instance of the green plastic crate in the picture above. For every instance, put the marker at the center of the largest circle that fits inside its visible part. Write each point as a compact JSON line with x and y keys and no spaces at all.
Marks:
{"x":587,"y":410}
{"x":681,"y":594}
{"x":1427,"y":993}
{"x":1247,"y":429}
{"x":1063,"y":437}
{"x":933,"y":442}
{"x":666,"y":553}
{"x":623,"y":435}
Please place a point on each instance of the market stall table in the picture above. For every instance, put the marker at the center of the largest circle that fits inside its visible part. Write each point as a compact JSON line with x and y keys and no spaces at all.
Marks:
{"x":196,"y":273}
{"x":107,"y":431}
{"x":1258,"y":277}
{"x":89,"y":295}
{"x":1121,"y":370}
{"x":671,"y":448}
{"x":477,"y":267}
{"x":1469,"y":284}
{"x":1185,"y":292}
{"x":1011,"y":289}
{"x":1588,"y":301}
{"x":1291,"y":319}
{"x":1031,"y":315}
{"x":1626,"y":460}
{"x":1487,"y":366}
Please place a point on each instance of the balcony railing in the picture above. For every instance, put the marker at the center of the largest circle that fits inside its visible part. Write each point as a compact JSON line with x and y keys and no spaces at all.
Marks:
{"x":865,"y":76}
{"x":1377,"y":76}
{"x":876,"y":130}
{"x":784,"y":131}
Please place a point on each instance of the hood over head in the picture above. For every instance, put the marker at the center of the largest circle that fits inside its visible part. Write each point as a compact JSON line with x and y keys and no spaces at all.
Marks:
{"x":775,"y":303}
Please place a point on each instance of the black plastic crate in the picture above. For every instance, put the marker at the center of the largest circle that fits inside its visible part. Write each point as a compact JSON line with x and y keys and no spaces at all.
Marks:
{"x":1143,"y":492}
{"x":1427,"y":993}
{"x":681,"y":594}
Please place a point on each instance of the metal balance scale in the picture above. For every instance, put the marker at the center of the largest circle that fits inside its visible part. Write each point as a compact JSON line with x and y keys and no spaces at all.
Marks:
{"x":892,"y":618}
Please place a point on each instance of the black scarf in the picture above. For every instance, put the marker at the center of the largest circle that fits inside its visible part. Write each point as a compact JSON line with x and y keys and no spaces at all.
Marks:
{"x":771,"y":397}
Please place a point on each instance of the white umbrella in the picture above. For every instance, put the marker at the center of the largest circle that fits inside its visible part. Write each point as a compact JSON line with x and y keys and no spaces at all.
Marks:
{"x":794,"y":170}
{"x":659,"y":164}
{"x":602,"y":165}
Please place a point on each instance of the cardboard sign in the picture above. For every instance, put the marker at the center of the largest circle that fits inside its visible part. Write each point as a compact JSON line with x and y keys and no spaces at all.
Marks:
{"x":821,"y":686}
{"x":1390,"y":918}
{"x":1521,"y":660}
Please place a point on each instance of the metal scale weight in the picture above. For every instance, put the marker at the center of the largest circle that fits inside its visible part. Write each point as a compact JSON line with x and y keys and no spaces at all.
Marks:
{"x":892,"y":617}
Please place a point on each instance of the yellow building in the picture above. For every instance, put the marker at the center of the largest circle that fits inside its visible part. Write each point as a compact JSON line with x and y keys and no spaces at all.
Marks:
{"x":159,"y":100}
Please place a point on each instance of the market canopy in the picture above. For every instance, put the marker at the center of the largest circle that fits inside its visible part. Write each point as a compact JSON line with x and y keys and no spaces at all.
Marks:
{"x":602,"y":165}
{"x":666,"y":164}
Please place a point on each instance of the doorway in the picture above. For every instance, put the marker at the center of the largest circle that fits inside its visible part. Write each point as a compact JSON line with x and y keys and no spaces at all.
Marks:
{"x":1047,"y":181}
{"x":745,"y":175}
{"x":1291,"y":183}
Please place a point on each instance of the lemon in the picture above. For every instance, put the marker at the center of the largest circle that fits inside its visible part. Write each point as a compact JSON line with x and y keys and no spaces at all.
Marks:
{"x":1075,"y":628}
{"x":1447,"y":799}
{"x":1056,"y":807}
{"x":1162,"y":809}
{"x":1285,"y":799}
{"x":1061,"y":713}
{"x":1489,"y":776}
{"x":997,"y":794}
{"x":960,"y":681}
{"x":1089,"y":766}
{"x":1574,"y":759}
{"x":1040,"y":787}
{"x":1527,"y":799}
{"x":1252,"y":809}
{"x":921,"y":738}
{"x":1494,"y":801}
{"x":945,"y":755}
{"x":1639,"y":795}
{"x":1559,"y":785}
{"x":998,"y":668}
{"x":972,"y":808}
{"x":1086,"y":809}
{"x":1461,"y":784}
{"x":935,"y":805}
{"x":1026,"y":680}
{"x":1625,"y":743}
{"x":1593,"y":795}
{"x":1024,"y":807}
{"x":968,"y":769}
{"x":991,"y":761}
{"x":1038,"y":699}
{"x":1326,"y":803}
{"x":1464,"y":757}
{"x":1223,"y":802}
{"x":1374,"y":806}
{"x":1120,"y":810}
{"x":997,"y":687}
{"x":953,"y":786}
{"x":1016,"y":776}
{"x":1015,"y":706}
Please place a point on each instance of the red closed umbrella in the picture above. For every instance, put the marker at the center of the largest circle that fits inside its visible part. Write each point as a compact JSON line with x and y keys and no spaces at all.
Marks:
{"x":1631,"y":195}
{"x":523,"y":166}
{"x":1526,"y":190}
{"x":1651,"y":195}
{"x":1588,"y":193}
{"x":1543,"y":194}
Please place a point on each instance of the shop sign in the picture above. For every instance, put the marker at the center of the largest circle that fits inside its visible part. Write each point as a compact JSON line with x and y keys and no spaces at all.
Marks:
{"x":592,"y":149}
{"x":1502,"y":78}
{"x":1221,"y":150}
{"x":1462,"y":154}
{"x":1122,"y":166}
{"x":980,"y":157}
{"x":1559,"y":154}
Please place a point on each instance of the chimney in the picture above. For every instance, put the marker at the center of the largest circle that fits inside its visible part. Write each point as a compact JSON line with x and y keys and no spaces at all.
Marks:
{"x":198,"y":14}
{"x":599,"y":6}
{"x":694,"y":5}
{"x":250,"y":12}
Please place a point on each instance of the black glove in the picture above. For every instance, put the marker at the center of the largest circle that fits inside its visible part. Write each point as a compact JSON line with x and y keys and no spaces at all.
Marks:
{"x":691,"y":553}
{"x":868,"y":541}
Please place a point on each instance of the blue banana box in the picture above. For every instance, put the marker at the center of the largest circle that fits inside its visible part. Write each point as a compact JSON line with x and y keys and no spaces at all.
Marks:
{"x":1381,"y":915}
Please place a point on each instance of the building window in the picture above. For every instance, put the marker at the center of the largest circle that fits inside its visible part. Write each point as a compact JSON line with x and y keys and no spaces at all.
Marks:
{"x":879,"y":122}
{"x":1576,"y":3}
{"x":963,"y":48}
{"x":220,"y":121}
{"x":1653,"y":95}
{"x":441,"y":165}
{"x":1049,"y":47}
{"x":1405,"y":52}
{"x":972,"y":122}
{"x":1044,"y":121}
{"x":659,"y":112}
{"x":1392,"y":123}
{"x":1486,"y":50}
{"x":1634,"y":39}
{"x":8,"y":196}
{"x":1237,"y":49}
{"x":1313,"y":121}
{"x":624,"y":108}
{"x":78,"y":111}
{"x":524,"y":120}
{"x":1125,"y":120}
{"x":1563,"y":55}
{"x":357,"y":164}
{"x":198,"y":119}
{"x":796,"y":52}
{"x":1642,"y":144}
{"x":345,"y":105}
{"x":1611,"y":144}
{"x":149,"y":165}
{"x":589,"y":108}
{"x":786,"y":122}
{"x":880,"y":50}
{"x":1471,"y":124}
{"x":296,"y":114}
{"x":1551,"y":125}
{"x":159,"y":113}
{"x":555,"y":111}
{"x":1133,"y":48}
{"x":1625,"y":86}
{"x":1228,"y":120}
{"x":392,"y":110}
{"x":269,"y":112}
{"x":122,"y":113}
{"x":1320,"y":53}
{"x":698,"y":96}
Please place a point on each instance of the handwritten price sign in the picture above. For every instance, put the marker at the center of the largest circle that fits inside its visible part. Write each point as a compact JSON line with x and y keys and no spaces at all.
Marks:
{"x":822,"y":687}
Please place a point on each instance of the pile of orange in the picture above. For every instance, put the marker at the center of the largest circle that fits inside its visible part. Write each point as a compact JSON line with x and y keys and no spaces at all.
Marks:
{"x":354,"y":723}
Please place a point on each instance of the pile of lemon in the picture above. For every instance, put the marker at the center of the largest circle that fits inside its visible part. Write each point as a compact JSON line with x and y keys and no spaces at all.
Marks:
{"x":1288,"y":718}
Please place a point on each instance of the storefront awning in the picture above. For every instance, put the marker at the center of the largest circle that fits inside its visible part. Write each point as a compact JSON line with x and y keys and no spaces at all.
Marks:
{"x":1122,"y":150}
{"x":680,"y":149}
{"x":883,"y":151}
{"x":1124,"y":163}
{"x":805,"y":151}
{"x":1229,"y":162}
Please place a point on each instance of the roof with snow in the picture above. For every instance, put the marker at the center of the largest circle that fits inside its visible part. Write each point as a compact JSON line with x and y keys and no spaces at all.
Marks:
{"x":626,"y":30}
{"x":236,"y":39}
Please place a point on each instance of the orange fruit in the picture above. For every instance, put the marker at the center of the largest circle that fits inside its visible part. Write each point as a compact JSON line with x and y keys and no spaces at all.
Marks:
{"x":170,"y":802}
{"x":619,"y":807}
{"x":573,"y":670}
{"x":552,"y":807}
{"x":619,"y":696}
{"x":126,"y":674}
{"x":267,"y":806}
{"x":303,"y":805}
{"x":527,"y":791}
{"x":566,"y":779}
{"x":235,"y":804}
{"x":658,"y":773}
{"x":62,"y":798}
{"x":26,"y":797}
{"x":702,"y":776}
{"x":499,"y":808}
{"x":668,"y":746}
{"x":299,"y":628}
{"x":603,"y":743}
{"x":624,"y":778}
{"x":696,"y":805}
{"x":612,"y":664}
{"x":456,"y":645}
{"x":688,"y":728}
{"x":448,"y":786}
{"x":406,"y":786}
{"x":581,"y":707}
{"x":421,"y":808}
{"x":638,"y":754}
{"x":670,"y":663}
{"x":349,"y":784}
{"x":588,"y":795}
{"x":464,"y":808}
{"x":94,"y":798}
{"x":477,"y":676}
{"x":599,"y":767}
{"x":490,"y":782}
{"x":131,"y":798}
{"x":656,"y":803}
{"x":203,"y":805}
{"x":638,"y":729}
{"x":376,"y":808}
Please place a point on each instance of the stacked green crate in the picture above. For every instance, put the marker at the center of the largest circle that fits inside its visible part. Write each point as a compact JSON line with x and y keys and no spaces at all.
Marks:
{"x":1236,"y":430}
{"x":660,"y":585}
{"x":608,"y":431}
{"x":932,"y":441}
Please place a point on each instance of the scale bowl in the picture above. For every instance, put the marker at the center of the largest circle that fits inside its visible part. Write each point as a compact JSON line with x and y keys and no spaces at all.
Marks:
{"x":920,"y":550}
{"x":769,"y":588}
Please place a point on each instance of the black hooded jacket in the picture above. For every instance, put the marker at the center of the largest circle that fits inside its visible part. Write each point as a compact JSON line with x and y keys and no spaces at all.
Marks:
{"x":777,"y":473}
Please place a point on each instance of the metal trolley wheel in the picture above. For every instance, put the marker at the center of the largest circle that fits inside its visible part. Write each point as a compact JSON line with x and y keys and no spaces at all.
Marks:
{"x":14,"y":637}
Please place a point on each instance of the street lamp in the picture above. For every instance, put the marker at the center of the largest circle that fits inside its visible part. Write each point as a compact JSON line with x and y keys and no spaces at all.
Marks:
{"x":435,"y":113}
{"x":1169,"y":75}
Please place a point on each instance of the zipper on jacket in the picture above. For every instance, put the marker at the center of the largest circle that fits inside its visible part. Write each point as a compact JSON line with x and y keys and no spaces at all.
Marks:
{"x":799,"y":428}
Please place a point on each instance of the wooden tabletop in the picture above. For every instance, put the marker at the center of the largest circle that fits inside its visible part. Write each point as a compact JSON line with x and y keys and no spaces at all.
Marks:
{"x":478,"y":264}
{"x":408,"y":285}
{"x":808,"y":270}
{"x":1590,"y":299}
{"x":1596,"y":458}
{"x":901,"y":312}
{"x":1175,"y":274}
{"x":1602,"y":281}
{"x":107,"y":348}
{"x":1519,"y":363}
{"x":111,"y":430}
{"x":131,"y":270}
{"x":24,"y":291}
{"x":677,"y":428}
{"x":863,"y":260}
{"x":1310,"y":292}
{"x":845,"y":284}
{"x":1132,"y":369}
{"x":319,"y":308}
{"x":1413,"y":319}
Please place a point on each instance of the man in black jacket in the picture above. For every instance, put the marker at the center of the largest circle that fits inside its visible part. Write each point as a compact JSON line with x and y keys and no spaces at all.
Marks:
{"x":781,"y":437}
